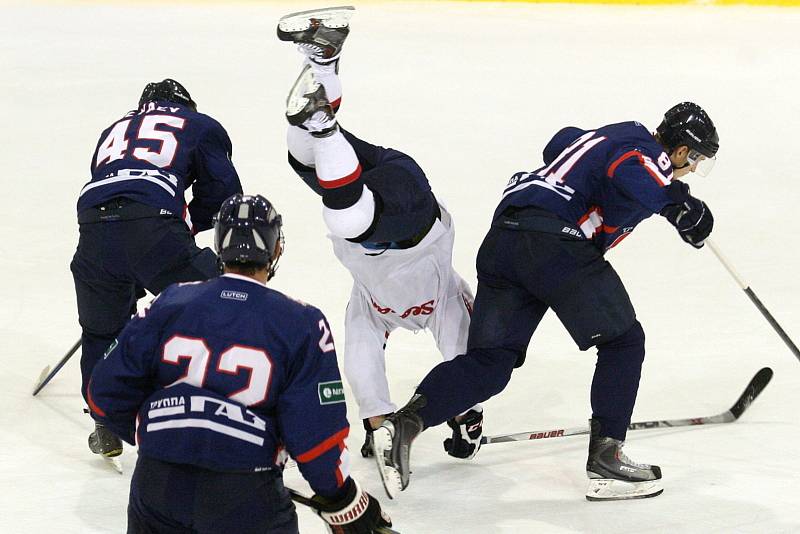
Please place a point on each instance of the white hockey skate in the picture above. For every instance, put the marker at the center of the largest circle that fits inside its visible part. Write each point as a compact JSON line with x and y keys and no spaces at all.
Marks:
{"x":613,"y":476}
{"x":319,"y":33}
{"x":307,"y":105}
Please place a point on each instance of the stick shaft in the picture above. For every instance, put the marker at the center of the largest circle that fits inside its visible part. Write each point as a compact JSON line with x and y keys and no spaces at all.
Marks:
{"x":57,"y":368}
{"x":753,"y":390}
{"x":754,"y":298}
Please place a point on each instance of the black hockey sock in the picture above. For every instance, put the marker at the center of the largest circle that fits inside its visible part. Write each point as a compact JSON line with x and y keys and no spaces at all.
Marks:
{"x":616,"y":381}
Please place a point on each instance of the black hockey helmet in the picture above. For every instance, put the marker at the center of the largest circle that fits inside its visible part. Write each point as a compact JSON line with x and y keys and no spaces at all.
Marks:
{"x":247,"y":230}
{"x":687,"y":124}
{"x":169,"y":90}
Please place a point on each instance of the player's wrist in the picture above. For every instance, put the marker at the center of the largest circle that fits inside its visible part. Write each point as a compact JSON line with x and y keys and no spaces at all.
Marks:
{"x":339,"y":499}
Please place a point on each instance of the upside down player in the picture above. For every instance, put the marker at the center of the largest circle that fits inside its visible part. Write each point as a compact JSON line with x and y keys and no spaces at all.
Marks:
{"x":386,"y":225}
{"x":545,"y":250}
{"x":214,"y":380}
{"x":136,"y":232}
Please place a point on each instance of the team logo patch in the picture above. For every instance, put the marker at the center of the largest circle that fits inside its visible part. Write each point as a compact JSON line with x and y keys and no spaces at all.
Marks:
{"x":330,"y":392}
{"x":233,"y":295}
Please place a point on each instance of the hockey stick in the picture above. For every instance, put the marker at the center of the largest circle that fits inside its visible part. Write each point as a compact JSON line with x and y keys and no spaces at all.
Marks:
{"x":307,"y":501}
{"x":753,"y":298}
{"x":47,"y":375}
{"x":753,"y":390}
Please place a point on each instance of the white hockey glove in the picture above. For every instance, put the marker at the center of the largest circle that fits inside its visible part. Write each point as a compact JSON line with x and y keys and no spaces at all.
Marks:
{"x":357,"y":512}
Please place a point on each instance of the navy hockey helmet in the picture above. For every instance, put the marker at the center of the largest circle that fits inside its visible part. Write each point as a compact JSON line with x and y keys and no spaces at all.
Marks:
{"x":247,"y":230}
{"x":169,"y":90}
{"x":687,"y":124}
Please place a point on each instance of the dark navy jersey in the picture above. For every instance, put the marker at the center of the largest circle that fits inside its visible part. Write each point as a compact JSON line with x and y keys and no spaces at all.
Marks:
{"x":605,"y":181}
{"x":154,"y":154}
{"x":227,"y":375}
{"x":406,"y":203}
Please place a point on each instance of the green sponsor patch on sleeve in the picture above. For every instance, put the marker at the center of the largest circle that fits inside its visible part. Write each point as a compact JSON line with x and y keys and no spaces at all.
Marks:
{"x":330,"y":392}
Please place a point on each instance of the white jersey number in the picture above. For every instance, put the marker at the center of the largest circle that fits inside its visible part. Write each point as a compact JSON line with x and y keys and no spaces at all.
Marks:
{"x":115,"y":145}
{"x":231,"y":361}
{"x":326,"y":341}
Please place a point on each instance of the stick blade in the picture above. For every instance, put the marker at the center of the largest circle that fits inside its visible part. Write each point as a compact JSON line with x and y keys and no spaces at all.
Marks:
{"x":40,"y":383}
{"x":752,"y":391}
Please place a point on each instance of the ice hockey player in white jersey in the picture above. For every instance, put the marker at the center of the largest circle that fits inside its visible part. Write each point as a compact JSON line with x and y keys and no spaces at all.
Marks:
{"x":386,"y":225}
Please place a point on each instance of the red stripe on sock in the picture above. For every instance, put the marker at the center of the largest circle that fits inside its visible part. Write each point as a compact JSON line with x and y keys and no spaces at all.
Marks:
{"x":341,"y":182}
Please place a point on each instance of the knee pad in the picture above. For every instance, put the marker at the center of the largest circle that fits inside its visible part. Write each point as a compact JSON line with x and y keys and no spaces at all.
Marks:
{"x":495,"y":366}
{"x":627,"y":345}
{"x":354,"y":220}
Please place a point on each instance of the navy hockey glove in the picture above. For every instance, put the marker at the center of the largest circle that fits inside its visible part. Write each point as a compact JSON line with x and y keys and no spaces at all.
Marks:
{"x":357,"y":512}
{"x":689,"y":215}
{"x":466,"y":438}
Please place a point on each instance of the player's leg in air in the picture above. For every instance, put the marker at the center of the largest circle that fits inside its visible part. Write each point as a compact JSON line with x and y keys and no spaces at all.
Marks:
{"x":377,"y":202}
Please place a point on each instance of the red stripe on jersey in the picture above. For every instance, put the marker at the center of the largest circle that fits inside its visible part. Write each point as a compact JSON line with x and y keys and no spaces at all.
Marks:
{"x":336,"y":103}
{"x":613,"y":167}
{"x":633,"y":153}
{"x":617,"y":241}
{"x":659,"y":179}
{"x":324,"y":447}
{"x":92,"y":406}
{"x":333,"y":184}
{"x":339,"y":474}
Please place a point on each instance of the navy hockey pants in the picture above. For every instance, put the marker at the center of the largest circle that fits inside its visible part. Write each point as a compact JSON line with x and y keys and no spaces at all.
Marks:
{"x":171,"y":498}
{"x":116,"y":260}
{"x":406,"y":204}
{"x":521,"y":274}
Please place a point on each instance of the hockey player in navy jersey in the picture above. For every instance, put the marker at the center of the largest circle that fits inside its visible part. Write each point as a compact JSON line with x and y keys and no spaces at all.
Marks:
{"x":136,"y":231}
{"x":214,"y":381}
{"x":387,"y":228}
{"x":545,"y":251}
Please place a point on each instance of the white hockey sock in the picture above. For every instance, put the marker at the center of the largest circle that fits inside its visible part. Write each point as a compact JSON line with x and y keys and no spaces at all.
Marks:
{"x":301,"y":145}
{"x":354,"y":220}
{"x":335,"y":160}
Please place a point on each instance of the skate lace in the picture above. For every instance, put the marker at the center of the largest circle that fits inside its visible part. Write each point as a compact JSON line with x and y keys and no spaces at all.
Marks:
{"x":320,"y":121}
{"x":622,"y":457}
{"x":310,"y":50}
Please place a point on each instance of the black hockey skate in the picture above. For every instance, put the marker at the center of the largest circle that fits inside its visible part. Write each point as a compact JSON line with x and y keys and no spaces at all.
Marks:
{"x":466,"y":440}
{"x":392,"y":444}
{"x":320,"y":33}
{"x":613,"y":476}
{"x":102,"y":441}
{"x":307,"y":106}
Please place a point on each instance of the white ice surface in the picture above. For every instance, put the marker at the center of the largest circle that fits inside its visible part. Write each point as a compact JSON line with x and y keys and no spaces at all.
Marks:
{"x":473,"y":91}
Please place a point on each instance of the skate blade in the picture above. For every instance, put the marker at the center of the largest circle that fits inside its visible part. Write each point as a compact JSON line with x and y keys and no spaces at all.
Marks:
{"x":297,"y":100}
{"x":330,"y":17}
{"x":114,"y":462}
{"x":382,"y":443}
{"x":609,"y":489}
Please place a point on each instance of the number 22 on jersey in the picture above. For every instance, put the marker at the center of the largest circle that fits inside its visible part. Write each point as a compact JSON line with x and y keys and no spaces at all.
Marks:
{"x":231,"y":361}
{"x":116,"y":144}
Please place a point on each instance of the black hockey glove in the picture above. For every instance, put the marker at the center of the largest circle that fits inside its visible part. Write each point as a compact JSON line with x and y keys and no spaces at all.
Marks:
{"x":689,"y":215}
{"x":357,"y":512}
{"x":466,"y":438}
